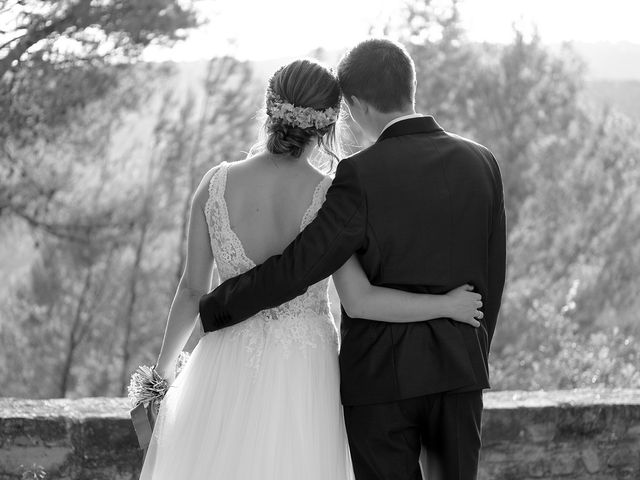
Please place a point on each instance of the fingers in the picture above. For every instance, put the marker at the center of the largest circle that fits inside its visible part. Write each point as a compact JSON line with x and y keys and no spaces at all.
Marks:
{"x":467,"y":287}
{"x":473,"y":322}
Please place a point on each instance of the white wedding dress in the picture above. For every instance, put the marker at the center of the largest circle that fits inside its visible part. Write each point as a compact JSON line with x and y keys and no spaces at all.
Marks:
{"x":261,"y":399}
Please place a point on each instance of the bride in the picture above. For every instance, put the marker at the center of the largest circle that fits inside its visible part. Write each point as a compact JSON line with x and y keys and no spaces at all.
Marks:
{"x":261,"y":399}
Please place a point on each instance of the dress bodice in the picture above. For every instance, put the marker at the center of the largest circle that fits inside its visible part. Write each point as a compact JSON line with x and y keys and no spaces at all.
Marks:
{"x":303,"y":321}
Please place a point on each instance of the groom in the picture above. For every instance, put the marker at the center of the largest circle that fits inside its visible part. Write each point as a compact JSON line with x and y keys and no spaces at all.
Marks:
{"x":423,"y":210}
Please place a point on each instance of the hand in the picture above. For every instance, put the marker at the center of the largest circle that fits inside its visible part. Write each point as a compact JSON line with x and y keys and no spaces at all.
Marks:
{"x":464,"y":305}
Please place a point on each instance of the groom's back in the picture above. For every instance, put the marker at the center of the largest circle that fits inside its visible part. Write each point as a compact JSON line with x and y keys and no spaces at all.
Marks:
{"x":432,"y":202}
{"x":429,"y":206}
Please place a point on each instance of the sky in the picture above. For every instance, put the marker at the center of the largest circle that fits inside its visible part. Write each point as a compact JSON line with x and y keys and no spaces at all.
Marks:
{"x":266,"y":29}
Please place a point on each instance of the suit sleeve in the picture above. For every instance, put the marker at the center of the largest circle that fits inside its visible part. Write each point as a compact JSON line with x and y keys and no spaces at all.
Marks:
{"x":337,"y":231}
{"x":497,"y":257}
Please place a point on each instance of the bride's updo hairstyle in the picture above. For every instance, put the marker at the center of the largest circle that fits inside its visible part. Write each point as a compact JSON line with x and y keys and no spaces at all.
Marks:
{"x":302,"y":105}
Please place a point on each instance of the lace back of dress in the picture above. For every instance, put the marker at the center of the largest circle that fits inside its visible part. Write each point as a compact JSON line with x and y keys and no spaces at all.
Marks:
{"x":225,"y":245}
{"x":231,"y":258}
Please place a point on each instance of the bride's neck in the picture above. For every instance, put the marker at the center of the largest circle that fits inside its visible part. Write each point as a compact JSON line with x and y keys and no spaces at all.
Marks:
{"x":290,"y":159}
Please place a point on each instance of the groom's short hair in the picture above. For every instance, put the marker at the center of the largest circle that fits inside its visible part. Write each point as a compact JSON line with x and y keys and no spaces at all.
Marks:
{"x":379,"y":71}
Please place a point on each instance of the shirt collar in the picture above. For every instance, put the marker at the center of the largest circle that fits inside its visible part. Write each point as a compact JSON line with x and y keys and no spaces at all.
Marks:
{"x":411,"y":126}
{"x":399,"y":119}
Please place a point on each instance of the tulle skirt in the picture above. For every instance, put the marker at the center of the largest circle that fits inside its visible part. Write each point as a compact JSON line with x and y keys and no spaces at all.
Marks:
{"x":229,"y":416}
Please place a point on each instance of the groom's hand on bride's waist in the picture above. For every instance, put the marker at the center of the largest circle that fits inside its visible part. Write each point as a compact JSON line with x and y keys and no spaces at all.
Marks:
{"x":213,"y":315}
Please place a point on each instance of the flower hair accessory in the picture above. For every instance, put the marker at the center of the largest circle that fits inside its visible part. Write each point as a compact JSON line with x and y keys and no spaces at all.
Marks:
{"x":303,"y":117}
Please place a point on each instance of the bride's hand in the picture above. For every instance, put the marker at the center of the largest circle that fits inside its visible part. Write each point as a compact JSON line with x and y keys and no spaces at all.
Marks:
{"x":464,"y":305}
{"x":165,"y":372}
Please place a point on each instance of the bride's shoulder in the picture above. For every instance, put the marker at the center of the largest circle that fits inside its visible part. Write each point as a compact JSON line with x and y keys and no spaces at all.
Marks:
{"x":318,"y":175}
{"x":327,"y":178}
{"x":201,"y":194}
{"x":323,"y":182}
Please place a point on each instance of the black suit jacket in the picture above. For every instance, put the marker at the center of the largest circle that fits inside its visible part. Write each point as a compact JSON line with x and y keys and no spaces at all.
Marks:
{"x":424,"y":212}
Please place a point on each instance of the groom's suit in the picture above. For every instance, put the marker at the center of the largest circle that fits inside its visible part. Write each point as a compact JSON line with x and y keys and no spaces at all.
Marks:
{"x":423,"y":210}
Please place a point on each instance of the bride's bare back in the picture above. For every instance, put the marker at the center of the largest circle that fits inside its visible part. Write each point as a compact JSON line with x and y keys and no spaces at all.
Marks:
{"x":267,"y":195}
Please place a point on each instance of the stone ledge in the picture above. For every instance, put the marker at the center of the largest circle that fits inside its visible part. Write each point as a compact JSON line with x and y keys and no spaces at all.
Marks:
{"x":561,"y":398}
{"x":576,"y":434}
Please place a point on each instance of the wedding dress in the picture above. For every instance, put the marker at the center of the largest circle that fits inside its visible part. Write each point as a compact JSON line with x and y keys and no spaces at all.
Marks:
{"x":261,"y":399}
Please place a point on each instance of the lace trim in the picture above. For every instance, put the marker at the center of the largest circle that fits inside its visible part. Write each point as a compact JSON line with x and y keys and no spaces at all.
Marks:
{"x":225,"y":244}
{"x":316,"y":202}
{"x":224,"y":213}
{"x":208,"y":206}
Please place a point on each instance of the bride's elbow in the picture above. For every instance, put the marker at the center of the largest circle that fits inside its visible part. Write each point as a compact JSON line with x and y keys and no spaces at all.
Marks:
{"x":190,"y":291}
{"x":354,"y":308}
{"x":357,"y":301}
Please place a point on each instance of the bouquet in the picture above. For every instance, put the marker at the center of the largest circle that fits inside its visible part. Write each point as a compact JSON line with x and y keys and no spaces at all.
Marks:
{"x":146,"y":391}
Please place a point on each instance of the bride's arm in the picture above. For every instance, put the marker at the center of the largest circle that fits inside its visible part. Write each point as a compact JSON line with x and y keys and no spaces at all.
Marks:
{"x":360,"y":299}
{"x":194,"y":283}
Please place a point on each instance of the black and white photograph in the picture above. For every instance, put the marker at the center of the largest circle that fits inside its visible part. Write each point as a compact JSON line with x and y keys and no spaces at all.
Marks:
{"x":319,"y":240}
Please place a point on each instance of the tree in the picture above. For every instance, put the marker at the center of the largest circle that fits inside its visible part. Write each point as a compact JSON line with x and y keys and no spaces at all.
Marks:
{"x":91,"y":30}
{"x":95,"y":315}
{"x":580,"y":228}
{"x":53,"y":315}
{"x":57,"y":57}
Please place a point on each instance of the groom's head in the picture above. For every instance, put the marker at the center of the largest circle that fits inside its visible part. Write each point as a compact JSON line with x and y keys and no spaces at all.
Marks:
{"x":378,"y":80}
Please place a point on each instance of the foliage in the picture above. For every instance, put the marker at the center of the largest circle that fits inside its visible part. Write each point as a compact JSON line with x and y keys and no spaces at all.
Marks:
{"x":86,"y":30}
{"x":94,"y":302}
{"x":67,"y":79}
{"x":554,"y":353}
{"x":57,"y":57}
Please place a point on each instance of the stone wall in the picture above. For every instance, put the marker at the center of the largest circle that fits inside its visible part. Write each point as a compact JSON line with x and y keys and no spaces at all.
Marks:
{"x":580,"y":434}
{"x":577,"y":434}
{"x":87,"y":439}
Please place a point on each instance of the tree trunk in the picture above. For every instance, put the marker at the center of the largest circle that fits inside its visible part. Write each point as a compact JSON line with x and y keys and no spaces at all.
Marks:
{"x":74,"y":340}
{"x":128,"y":317}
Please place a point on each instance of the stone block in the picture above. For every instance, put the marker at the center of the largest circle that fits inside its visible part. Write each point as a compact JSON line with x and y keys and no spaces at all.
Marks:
{"x":623,"y":457}
{"x":563,"y":464}
{"x":590,"y":459}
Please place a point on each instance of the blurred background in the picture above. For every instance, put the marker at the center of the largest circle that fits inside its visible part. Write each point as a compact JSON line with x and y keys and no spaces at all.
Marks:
{"x":112,"y":110}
